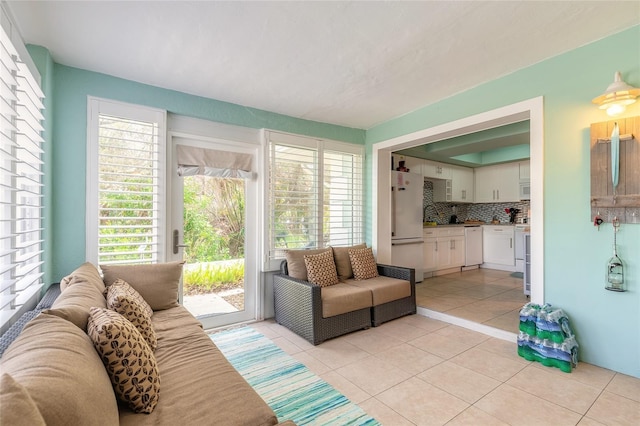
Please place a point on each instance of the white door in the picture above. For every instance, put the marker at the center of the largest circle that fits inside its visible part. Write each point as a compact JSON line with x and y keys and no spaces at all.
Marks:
{"x":214,"y":229}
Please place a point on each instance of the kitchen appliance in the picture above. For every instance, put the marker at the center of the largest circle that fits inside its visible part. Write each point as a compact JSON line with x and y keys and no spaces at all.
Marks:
{"x":407,"y":242}
{"x":525,"y":190}
{"x":520,"y":247}
{"x":472,"y":245}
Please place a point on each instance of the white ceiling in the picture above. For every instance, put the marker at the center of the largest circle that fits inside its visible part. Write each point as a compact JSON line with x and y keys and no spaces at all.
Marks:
{"x":350,"y":63}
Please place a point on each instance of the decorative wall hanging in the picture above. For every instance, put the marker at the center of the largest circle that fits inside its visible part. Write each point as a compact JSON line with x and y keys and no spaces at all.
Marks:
{"x":615,"y":170}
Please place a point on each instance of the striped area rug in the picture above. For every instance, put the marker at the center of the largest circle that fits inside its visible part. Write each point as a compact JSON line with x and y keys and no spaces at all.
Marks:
{"x":290,"y":388}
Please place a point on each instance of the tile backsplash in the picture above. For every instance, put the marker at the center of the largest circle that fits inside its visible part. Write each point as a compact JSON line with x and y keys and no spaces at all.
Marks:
{"x":441,"y":212}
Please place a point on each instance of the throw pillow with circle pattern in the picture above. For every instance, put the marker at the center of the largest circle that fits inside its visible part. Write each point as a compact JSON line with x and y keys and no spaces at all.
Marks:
{"x":126,"y":301}
{"x":127,"y":358}
{"x":363,"y":264}
{"x":321,"y":269}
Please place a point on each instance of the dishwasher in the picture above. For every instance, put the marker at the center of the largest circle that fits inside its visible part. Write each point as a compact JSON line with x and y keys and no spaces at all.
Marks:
{"x":472,"y":245}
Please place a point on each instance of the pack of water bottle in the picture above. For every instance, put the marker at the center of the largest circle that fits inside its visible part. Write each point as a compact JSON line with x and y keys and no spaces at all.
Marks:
{"x":546,"y":337}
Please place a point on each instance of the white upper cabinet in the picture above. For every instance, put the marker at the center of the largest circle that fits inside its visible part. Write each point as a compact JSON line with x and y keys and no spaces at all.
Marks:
{"x":435,"y":170}
{"x":462,"y":186}
{"x":415,"y":165}
{"x":524,"y":170}
{"x":497,"y":184}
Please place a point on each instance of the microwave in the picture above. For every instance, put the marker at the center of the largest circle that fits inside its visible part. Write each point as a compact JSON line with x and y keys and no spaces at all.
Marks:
{"x":525,"y":190}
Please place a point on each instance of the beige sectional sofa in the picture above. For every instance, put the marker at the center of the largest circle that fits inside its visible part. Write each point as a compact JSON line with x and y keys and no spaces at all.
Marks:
{"x":321,"y":308}
{"x":52,"y":374}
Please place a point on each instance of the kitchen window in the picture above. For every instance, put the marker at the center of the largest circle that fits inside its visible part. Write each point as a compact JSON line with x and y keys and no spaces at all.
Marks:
{"x":315,"y":194}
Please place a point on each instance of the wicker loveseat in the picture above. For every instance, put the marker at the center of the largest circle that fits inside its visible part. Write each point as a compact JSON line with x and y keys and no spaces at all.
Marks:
{"x":318,"y":313}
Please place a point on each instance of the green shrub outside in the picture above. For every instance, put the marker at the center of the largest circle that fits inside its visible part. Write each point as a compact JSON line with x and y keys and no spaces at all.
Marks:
{"x":203,"y":277}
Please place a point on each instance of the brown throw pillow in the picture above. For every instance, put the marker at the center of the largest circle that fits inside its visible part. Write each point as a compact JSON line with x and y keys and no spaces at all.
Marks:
{"x":157,"y":283}
{"x":123,"y":299}
{"x":16,"y":405}
{"x":321,"y":269}
{"x":128,"y":359}
{"x":343,"y":263}
{"x":363,"y":264}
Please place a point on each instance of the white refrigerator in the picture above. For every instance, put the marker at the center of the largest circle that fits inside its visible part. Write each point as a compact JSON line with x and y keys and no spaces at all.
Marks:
{"x":407,"y":242}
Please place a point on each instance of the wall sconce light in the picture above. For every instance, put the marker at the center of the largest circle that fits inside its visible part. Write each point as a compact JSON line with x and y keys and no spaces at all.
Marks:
{"x":617,"y":96}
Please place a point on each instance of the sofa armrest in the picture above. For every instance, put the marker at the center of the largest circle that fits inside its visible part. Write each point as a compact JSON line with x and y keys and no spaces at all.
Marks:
{"x":297,"y":305}
{"x":399,"y":272}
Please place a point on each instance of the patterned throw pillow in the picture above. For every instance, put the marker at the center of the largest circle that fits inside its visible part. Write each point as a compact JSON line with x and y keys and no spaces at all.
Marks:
{"x":321,"y":269}
{"x":126,"y":301}
{"x":363,"y":264}
{"x":128,"y":359}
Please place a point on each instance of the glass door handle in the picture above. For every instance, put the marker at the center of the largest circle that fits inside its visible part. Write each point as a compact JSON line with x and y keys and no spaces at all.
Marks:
{"x":176,"y":240}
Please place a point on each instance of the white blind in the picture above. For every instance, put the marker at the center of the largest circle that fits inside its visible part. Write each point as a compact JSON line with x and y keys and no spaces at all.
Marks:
{"x":316,"y":193}
{"x":128,"y":191}
{"x":20,"y":182}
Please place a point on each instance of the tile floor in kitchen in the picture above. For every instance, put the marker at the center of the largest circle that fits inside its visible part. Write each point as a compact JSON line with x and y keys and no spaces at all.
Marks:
{"x":419,"y":371}
{"x":485,"y":296}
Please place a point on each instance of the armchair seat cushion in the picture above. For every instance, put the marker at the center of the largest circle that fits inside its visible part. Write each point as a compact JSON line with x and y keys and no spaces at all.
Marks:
{"x":383,"y":289}
{"x":342,"y":298}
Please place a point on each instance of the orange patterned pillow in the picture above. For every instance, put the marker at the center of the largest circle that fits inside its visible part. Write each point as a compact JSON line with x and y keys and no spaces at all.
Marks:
{"x":363,"y":264}
{"x":321,"y":269}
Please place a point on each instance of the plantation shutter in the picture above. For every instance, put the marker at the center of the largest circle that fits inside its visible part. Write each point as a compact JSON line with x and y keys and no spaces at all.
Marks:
{"x":343,"y":197}
{"x":315,"y":193}
{"x":20,"y":182}
{"x":129,"y":157}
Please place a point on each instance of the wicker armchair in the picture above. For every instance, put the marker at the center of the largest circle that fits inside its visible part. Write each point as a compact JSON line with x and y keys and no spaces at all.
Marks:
{"x":298,"y":306}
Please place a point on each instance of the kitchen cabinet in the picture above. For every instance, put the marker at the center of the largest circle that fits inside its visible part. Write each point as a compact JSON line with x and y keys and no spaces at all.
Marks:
{"x":430,"y":252}
{"x":443,"y":248}
{"x":498,"y":246}
{"x":457,"y":189}
{"x":462,"y":184}
{"x":497,"y":184}
{"x":435,"y":170}
{"x":415,"y":165}
{"x":525,"y":168}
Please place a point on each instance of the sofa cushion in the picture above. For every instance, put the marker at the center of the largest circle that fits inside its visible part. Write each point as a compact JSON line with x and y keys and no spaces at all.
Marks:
{"x":321,"y":269}
{"x":363,"y":264}
{"x":16,"y":405}
{"x":157,"y":283}
{"x":127,"y":357}
{"x":343,"y":263}
{"x":80,"y":296}
{"x":199,"y":385}
{"x":123,"y":299}
{"x":384,"y":289}
{"x":342,"y":298}
{"x":86,"y":272}
{"x":75,"y":315}
{"x":57,"y":364}
{"x":295,"y":262}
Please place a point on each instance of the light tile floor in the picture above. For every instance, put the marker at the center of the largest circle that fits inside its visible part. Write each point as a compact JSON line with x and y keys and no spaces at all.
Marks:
{"x":420,"y":371}
{"x":485,"y":296}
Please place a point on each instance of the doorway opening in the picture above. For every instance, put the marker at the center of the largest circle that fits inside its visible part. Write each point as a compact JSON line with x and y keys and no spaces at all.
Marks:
{"x":531,"y":110}
{"x":213,"y":215}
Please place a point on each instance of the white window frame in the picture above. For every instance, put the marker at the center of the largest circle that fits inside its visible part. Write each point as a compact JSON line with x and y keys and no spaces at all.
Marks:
{"x":321,"y":145}
{"x":96,"y":107}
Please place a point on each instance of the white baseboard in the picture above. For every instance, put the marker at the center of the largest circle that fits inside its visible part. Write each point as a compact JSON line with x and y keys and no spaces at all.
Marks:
{"x":474,"y":326}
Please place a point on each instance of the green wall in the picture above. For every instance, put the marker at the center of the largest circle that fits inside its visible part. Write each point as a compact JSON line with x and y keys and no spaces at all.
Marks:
{"x":607,"y":324}
{"x":71,"y":88}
